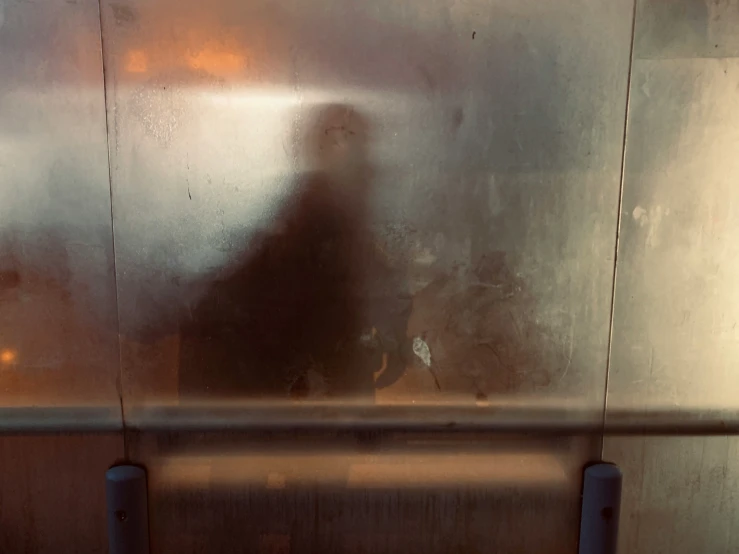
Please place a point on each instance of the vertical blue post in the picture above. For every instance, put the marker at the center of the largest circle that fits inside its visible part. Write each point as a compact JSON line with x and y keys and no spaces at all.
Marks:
{"x":601,"y":506}
{"x":128,"y":515}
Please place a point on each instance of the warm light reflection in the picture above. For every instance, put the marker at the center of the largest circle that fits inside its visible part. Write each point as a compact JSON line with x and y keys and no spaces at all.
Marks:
{"x":216,"y":61}
{"x":8,"y":356}
{"x":137,"y":61}
{"x":351,"y":470}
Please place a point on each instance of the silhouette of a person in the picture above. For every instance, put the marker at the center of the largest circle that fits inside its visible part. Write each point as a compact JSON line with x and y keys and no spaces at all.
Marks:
{"x":292,"y":320}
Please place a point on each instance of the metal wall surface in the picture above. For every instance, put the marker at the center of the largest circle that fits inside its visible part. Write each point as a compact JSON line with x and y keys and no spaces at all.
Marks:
{"x":52,"y":492}
{"x":385,"y":203}
{"x":688,"y":485}
{"x":302,"y":493}
{"x":675,"y":324}
{"x":58,"y":328}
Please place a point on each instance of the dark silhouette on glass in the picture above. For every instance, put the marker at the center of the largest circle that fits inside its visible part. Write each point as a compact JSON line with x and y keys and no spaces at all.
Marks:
{"x":312,"y":312}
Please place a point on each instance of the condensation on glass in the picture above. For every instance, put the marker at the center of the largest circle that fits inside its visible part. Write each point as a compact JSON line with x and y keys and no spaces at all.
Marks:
{"x":58,"y":327}
{"x":386,"y":203}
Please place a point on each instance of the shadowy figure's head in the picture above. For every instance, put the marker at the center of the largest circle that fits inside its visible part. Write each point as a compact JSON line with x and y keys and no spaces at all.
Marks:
{"x":335,"y":140}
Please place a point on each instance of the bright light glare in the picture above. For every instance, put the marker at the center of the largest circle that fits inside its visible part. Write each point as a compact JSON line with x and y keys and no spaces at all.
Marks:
{"x":8,"y":356}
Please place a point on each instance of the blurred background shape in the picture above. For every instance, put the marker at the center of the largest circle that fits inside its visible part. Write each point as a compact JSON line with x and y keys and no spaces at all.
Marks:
{"x":260,"y":246}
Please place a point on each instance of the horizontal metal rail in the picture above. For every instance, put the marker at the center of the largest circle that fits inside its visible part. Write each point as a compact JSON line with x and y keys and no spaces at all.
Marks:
{"x":347,"y":418}
{"x":68,"y":419}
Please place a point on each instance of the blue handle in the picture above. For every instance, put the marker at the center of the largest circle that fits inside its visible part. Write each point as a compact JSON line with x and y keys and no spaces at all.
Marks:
{"x":601,"y":506}
{"x":128,"y":515}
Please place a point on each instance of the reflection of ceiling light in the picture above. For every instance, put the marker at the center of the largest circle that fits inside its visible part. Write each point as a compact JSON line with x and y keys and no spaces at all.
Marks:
{"x":219,"y":62}
{"x":8,"y":356}
{"x":216,"y":62}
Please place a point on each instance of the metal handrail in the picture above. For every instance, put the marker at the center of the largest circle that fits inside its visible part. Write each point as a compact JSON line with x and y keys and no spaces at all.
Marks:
{"x":338,"y":417}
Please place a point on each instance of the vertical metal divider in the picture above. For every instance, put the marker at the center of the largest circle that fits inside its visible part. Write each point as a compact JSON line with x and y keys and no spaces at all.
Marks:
{"x":125,"y":485}
{"x":119,"y":380}
{"x":618,"y":226}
